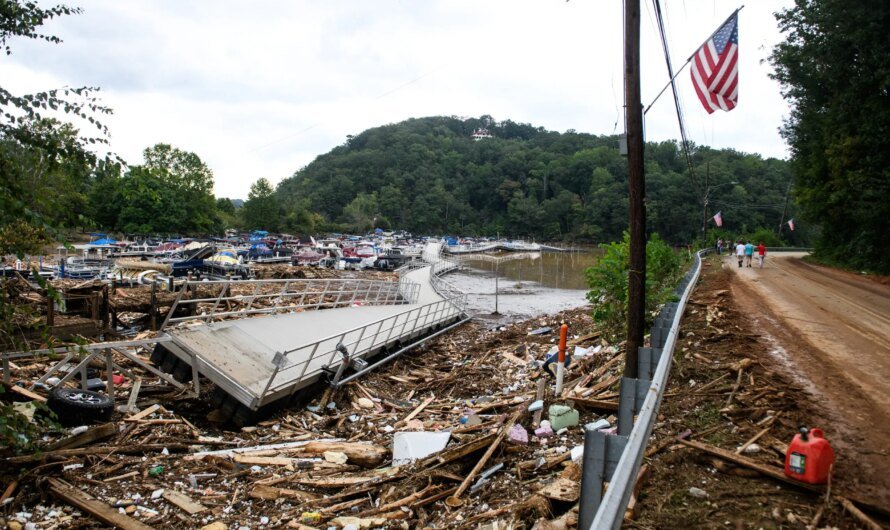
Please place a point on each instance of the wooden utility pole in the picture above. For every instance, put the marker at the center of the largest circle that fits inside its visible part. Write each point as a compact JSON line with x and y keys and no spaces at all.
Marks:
{"x":636,"y":288}
{"x":785,"y":208}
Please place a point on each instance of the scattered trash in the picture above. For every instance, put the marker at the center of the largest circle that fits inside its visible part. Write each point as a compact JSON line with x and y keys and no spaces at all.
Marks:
{"x":698,"y":493}
{"x":540,"y":331}
{"x":536,"y":406}
{"x":562,"y":417}
{"x":518,"y":434}
{"x":410,"y":446}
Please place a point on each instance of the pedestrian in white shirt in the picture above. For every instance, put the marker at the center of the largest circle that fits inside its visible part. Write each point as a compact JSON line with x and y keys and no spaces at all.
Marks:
{"x":740,"y":253}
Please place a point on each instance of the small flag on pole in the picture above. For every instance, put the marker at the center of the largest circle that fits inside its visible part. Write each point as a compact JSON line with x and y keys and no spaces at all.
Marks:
{"x":715,"y":68}
{"x":718,"y":219}
{"x":791,"y":224}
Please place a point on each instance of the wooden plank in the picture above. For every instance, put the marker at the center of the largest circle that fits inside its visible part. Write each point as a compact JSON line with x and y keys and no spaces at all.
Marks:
{"x":562,"y":489}
{"x":87,"y":503}
{"x":419,"y":408}
{"x":769,"y":471}
{"x":595,"y":404}
{"x":147,"y":412}
{"x":24,"y":392}
{"x":93,"y":434}
{"x":125,"y":450}
{"x":184,"y":502}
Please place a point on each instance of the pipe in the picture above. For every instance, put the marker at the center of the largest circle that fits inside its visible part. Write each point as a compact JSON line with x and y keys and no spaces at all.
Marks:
{"x":561,"y":358}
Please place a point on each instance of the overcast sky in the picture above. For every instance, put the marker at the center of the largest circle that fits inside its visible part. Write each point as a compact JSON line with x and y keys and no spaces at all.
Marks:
{"x":259,"y":89}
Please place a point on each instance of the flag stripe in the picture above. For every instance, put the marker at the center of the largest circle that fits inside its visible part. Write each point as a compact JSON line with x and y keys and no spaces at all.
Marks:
{"x":714,"y":71}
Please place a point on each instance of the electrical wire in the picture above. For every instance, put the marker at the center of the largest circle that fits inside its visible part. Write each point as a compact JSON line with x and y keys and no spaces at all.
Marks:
{"x":680,"y":119}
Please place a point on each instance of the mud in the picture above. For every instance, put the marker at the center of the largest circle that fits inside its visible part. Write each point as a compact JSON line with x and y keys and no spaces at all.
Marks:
{"x":831,"y":330}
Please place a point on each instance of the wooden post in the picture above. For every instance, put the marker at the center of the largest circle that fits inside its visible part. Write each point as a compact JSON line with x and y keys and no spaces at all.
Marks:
{"x":636,"y":288}
{"x":154,"y":307}
{"x":50,"y":311}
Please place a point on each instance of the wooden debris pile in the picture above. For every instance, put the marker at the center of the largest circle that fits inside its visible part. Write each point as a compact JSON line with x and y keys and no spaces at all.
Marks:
{"x":461,"y":404}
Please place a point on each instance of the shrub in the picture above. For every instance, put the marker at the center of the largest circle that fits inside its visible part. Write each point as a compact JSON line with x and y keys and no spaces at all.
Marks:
{"x":608,"y":282}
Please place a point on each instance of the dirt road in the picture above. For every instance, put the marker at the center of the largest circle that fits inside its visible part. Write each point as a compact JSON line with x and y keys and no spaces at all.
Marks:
{"x":830,"y":330}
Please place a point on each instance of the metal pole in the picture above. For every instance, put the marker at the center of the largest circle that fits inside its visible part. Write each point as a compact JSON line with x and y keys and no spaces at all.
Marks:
{"x":636,"y":291}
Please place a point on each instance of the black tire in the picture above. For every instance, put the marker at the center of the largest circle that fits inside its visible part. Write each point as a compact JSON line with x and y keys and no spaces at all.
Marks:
{"x":80,"y":407}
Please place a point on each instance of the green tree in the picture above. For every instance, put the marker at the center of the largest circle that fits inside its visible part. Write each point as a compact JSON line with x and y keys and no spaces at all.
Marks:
{"x":834,"y":72}
{"x":260,"y":211}
{"x":44,"y":165}
{"x":192,"y":180}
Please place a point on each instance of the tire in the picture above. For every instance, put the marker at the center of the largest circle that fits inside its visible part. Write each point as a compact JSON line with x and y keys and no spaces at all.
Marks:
{"x":80,"y":407}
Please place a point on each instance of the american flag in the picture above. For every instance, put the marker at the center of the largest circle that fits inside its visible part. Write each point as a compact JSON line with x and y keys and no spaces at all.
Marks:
{"x":791,"y":224}
{"x":718,"y":219}
{"x":715,"y":68}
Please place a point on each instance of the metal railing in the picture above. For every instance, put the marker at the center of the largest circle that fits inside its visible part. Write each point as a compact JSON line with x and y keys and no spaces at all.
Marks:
{"x":616,"y":459}
{"x":360,"y":341}
{"x":279,"y":296}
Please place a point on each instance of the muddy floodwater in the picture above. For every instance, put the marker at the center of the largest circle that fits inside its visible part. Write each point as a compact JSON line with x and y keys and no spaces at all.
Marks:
{"x":528,"y":283}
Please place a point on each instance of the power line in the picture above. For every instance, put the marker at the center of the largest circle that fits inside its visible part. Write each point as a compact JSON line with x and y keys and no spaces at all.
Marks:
{"x":667,"y":57}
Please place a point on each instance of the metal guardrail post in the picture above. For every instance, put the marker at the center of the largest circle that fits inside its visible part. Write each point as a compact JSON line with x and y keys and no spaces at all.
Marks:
{"x":613,"y":503}
{"x":602,"y":452}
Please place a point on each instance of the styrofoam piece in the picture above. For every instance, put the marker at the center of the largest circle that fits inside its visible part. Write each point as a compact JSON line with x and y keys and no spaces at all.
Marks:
{"x":410,"y":446}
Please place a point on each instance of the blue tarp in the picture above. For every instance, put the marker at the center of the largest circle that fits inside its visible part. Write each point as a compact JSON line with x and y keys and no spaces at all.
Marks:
{"x":104,"y":241}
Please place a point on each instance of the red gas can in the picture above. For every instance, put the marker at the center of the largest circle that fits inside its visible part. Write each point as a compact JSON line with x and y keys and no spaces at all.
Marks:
{"x":809,"y":457}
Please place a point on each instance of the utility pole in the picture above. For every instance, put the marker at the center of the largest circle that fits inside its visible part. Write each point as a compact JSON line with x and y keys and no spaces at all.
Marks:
{"x":784,"y":209}
{"x":636,"y":279}
{"x":704,"y":207}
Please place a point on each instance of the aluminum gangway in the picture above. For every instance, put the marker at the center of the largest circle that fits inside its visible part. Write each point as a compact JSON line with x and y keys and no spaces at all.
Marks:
{"x":257,"y":361}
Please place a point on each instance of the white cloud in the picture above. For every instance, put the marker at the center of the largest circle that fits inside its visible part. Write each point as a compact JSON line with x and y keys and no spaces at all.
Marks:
{"x":258,"y":89}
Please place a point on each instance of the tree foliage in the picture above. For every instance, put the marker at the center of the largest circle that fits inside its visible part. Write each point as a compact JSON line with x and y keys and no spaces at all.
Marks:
{"x":260,"y":211}
{"x":608,"y":281}
{"x":836,"y":75}
{"x":427,"y":175}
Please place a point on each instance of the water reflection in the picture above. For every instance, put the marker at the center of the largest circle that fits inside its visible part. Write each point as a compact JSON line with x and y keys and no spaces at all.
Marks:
{"x":517,"y":286}
{"x":559,"y":270}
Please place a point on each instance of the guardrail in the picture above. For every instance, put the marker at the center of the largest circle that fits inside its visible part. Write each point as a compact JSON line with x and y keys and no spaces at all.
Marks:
{"x":286,"y":295}
{"x":616,"y":459}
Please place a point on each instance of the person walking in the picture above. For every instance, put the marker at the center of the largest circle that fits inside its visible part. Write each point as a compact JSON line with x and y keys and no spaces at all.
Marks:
{"x":761,"y":253}
{"x":740,"y":252}
{"x":719,"y":246}
{"x":749,"y":253}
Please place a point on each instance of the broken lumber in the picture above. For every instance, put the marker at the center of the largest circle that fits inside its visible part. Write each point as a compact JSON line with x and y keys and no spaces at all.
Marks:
{"x":184,"y":502}
{"x":86,"y":502}
{"x":362,"y":454}
{"x":857,"y":513}
{"x":454,"y":500}
{"x":123,"y":449}
{"x":93,"y":434}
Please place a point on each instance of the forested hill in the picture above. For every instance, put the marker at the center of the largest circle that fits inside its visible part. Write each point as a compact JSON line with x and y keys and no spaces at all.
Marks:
{"x":428,"y":175}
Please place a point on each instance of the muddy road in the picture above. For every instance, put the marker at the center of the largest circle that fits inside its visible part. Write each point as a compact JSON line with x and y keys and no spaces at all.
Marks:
{"x":829,"y":330}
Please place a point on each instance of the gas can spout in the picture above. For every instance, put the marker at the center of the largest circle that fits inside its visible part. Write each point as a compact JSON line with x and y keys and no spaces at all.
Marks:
{"x":803,"y":433}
